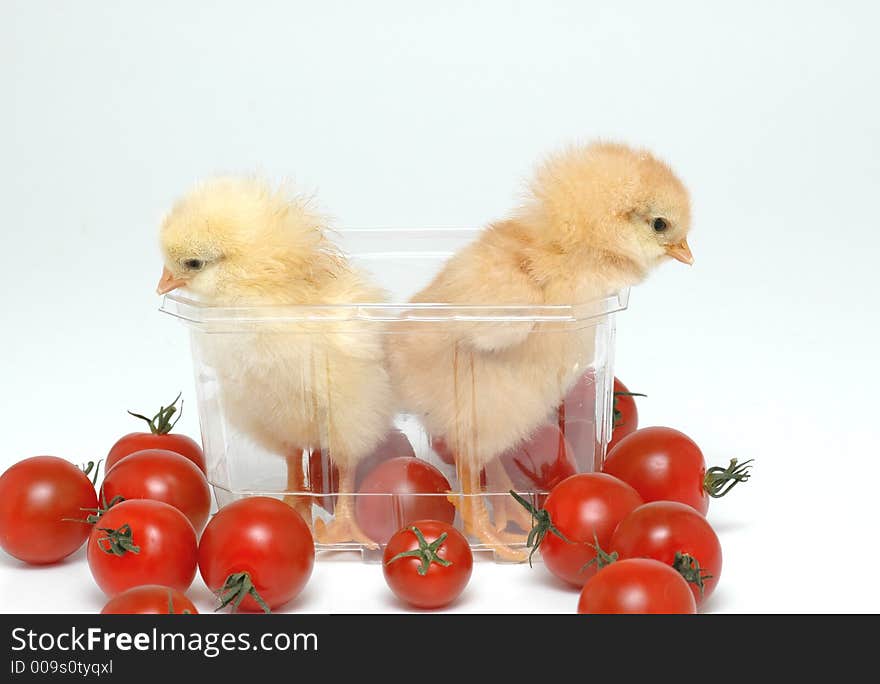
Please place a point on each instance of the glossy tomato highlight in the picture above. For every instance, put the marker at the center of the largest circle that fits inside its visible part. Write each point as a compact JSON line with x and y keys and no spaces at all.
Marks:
{"x":161,"y":475}
{"x":142,"y":542}
{"x":43,"y":503}
{"x":580,"y":513}
{"x":677,"y":535}
{"x":256,"y":554}
{"x":663,"y":464}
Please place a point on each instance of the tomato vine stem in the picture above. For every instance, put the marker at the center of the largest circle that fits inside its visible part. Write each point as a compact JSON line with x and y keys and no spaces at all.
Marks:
{"x":161,"y":423}
{"x":618,"y":415}
{"x":542,"y":525}
{"x":602,"y":558}
{"x":719,"y":481}
{"x":91,"y":467}
{"x":95,"y":514}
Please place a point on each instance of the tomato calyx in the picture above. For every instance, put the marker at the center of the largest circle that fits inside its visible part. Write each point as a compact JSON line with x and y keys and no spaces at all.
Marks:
{"x":603,"y":559}
{"x":237,"y":586}
{"x":719,"y":481}
{"x":689,"y":567}
{"x":427,"y":553}
{"x":118,"y":542}
{"x":618,"y":415}
{"x":161,"y":423}
{"x":542,"y":525}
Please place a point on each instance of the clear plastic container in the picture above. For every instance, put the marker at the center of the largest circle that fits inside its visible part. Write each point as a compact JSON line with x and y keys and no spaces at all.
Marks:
{"x":570,"y":435}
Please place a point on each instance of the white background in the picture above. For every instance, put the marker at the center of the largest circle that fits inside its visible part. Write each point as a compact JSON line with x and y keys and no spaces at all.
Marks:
{"x":431,"y":114}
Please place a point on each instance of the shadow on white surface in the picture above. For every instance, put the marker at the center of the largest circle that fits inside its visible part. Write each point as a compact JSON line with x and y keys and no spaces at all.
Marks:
{"x":543,"y":577}
{"x":729,"y":525}
{"x":388,"y":602}
{"x":718,"y":602}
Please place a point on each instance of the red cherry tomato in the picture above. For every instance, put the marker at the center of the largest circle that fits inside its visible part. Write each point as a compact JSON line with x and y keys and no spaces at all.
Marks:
{"x":324,"y":475}
{"x":142,"y":542}
{"x":677,"y":535}
{"x":428,"y":564}
{"x":141,"y":441}
{"x":159,"y":437}
{"x":584,"y":509}
{"x":41,"y":498}
{"x":256,"y":554}
{"x":541,"y":462}
{"x":161,"y":476}
{"x":149,"y":599}
{"x":626,"y":415}
{"x":414,"y":489}
{"x":663,"y":464}
{"x":637,"y":585}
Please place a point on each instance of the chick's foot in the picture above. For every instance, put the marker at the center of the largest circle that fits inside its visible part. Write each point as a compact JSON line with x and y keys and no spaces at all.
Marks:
{"x":301,"y":504}
{"x":505,"y":509}
{"x":478,"y":524}
{"x":507,"y":512}
{"x":343,"y":528}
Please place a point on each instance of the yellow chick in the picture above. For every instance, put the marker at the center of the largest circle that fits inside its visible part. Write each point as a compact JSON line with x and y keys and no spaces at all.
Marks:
{"x":596,"y":219}
{"x":290,"y":385}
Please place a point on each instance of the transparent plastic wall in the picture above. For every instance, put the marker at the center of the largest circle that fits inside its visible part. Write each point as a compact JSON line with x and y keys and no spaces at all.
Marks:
{"x":527,"y":438}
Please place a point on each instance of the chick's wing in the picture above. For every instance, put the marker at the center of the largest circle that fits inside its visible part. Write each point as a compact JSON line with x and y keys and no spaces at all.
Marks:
{"x":493,"y":292}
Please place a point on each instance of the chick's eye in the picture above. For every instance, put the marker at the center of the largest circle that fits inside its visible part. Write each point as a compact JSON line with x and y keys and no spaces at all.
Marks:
{"x":194,"y":264}
{"x":659,"y":225}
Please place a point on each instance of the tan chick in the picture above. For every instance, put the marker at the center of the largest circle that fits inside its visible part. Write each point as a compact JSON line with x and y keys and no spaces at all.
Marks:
{"x":289,"y":385}
{"x":596,"y":219}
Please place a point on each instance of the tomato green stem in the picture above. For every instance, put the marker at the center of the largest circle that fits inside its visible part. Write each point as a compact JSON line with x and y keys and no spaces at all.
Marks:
{"x":618,"y":415}
{"x":719,"y":481}
{"x":91,"y":466}
{"x":95,"y":514}
{"x":237,"y":586}
{"x":602,"y":559}
{"x":426,"y":552}
{"x":689,"y":568}
{"x":161,"y":424}
{"x":542,"y":525}
{"x":118,"y":542}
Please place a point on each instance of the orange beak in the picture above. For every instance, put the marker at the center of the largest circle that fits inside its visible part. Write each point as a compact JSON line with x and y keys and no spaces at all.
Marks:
{"x":168,"y":283}
{"x":681,"y":252}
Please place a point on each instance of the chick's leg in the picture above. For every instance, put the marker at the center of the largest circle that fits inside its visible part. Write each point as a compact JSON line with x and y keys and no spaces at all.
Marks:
{"x":343,"y":528}
{"x":296,"y":485}
{"x":506,"y":509}
{"x":475,"y":515}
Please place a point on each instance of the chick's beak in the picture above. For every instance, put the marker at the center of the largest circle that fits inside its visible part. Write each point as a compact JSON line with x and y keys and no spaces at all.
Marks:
{"x":681,"y":252}
{"x":168,"y":283}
